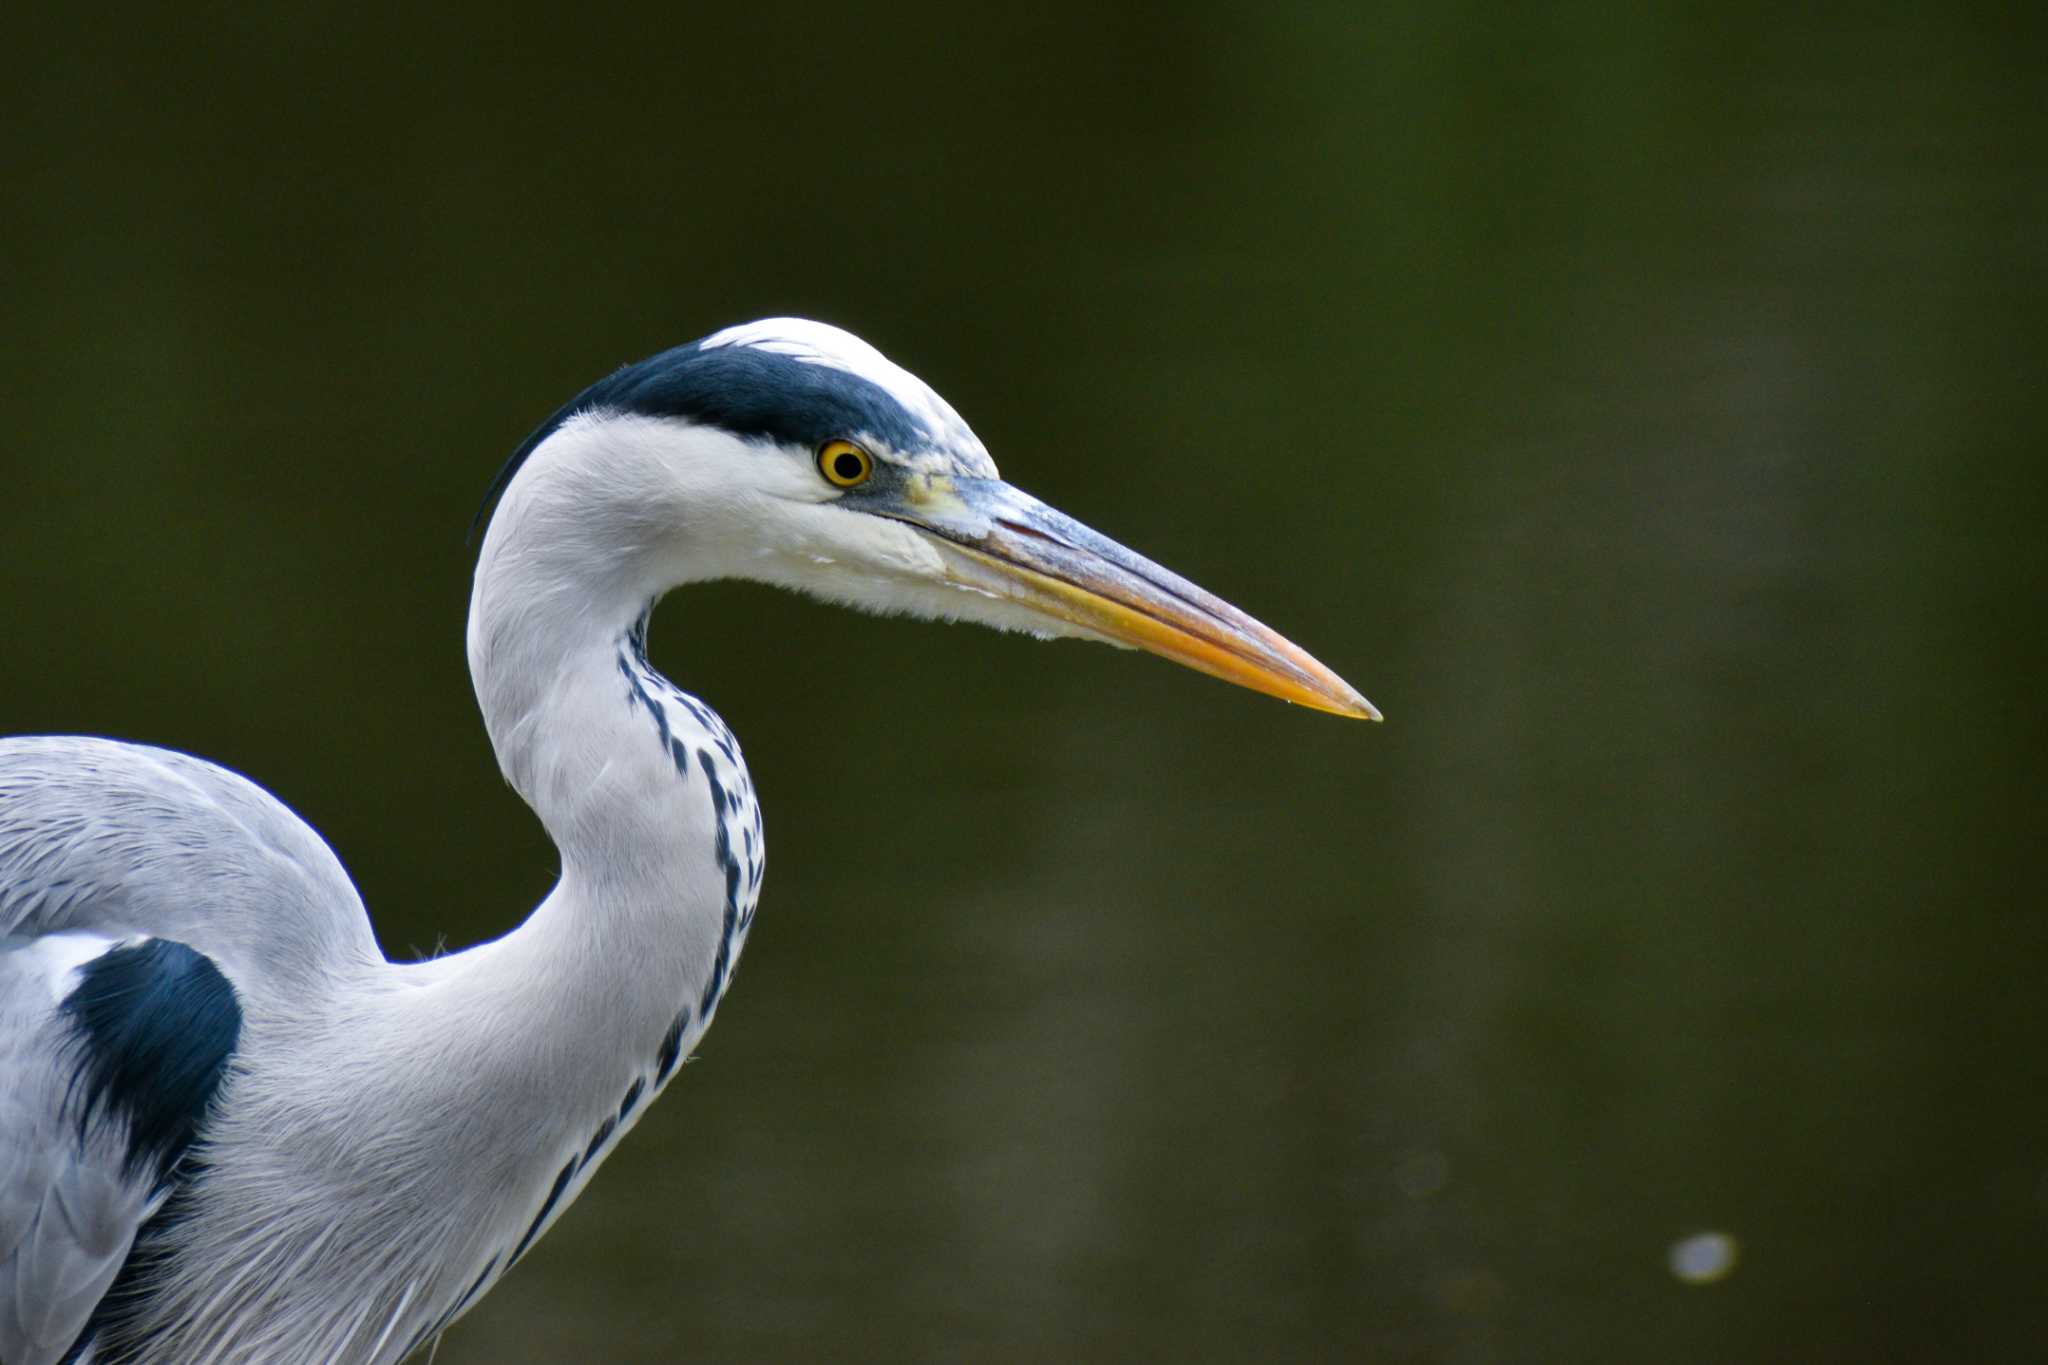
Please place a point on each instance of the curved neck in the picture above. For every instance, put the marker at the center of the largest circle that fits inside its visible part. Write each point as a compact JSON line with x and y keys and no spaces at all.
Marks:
{"x":547,"y":1042}
{"x":641,"y":787}
{"x":549,"y":611}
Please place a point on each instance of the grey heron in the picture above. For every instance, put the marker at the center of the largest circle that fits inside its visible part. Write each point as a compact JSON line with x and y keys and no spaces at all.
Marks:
{"x":230,"y":1129}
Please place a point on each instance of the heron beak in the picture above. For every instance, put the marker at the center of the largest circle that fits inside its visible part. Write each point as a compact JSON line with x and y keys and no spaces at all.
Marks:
{"x":999,"y":540}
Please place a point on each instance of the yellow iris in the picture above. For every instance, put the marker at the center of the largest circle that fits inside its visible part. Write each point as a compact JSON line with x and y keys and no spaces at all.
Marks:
{"x":844,"y":464}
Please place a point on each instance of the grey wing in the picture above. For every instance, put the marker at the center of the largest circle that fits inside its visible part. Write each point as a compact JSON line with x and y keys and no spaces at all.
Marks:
{"x":111,"y":1052}
{"x":144,"y":896}
{"x":126,"y":839}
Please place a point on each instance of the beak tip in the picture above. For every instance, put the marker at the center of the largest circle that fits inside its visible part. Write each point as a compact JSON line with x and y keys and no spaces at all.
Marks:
{"x":1346,"y":700}
{"x":1358,"y":708}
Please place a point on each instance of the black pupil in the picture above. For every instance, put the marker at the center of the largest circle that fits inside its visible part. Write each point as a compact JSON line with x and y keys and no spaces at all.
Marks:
{"x":846,"y":465}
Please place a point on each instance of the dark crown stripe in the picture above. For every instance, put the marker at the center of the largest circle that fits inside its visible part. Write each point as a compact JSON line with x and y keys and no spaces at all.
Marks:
{"x":755,"y":394}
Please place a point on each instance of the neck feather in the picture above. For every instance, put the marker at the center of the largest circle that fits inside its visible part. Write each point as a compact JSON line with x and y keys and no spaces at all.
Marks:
{"x":548,"y":1043}
{"x":641,"y":786}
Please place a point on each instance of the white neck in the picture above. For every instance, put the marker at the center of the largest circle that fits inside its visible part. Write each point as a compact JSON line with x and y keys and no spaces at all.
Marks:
{"x":641,"y":787}
{"x":593,"y":1002}
{"x":549,"y":1042}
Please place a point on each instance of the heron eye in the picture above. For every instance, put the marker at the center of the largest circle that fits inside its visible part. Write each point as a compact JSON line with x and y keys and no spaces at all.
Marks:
{"x":844,"y":464}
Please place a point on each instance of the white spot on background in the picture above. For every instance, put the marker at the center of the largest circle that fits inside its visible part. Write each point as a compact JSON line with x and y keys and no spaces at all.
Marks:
{"x":1702,"y":1258}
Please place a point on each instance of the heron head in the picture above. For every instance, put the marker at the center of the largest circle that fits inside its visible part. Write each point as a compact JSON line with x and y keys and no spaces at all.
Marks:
{"x":792,"y":452}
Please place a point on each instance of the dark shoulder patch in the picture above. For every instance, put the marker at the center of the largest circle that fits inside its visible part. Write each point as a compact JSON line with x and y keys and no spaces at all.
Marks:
{"x":155,"y":1024}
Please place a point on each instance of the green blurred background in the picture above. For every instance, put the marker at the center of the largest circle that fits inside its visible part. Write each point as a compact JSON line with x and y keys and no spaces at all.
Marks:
{"x":1644,"y":406}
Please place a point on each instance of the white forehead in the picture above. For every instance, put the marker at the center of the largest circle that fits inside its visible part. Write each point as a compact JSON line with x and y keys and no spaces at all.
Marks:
{"x":820,"y":343}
